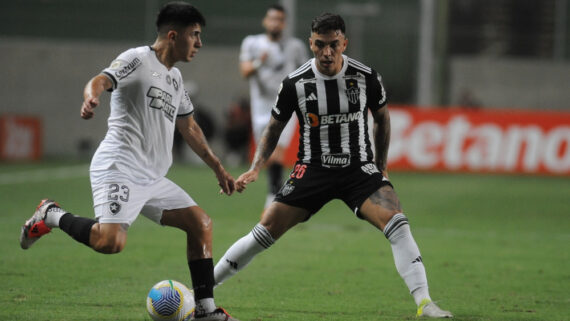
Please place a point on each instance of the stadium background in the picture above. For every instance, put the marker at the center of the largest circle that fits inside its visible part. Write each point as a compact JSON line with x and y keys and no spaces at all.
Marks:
{"x":496,"y":246}
{"x":494,"y":54}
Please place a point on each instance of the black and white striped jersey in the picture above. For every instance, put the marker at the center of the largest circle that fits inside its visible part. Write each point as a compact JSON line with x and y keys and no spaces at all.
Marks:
{"x":332,"y":112}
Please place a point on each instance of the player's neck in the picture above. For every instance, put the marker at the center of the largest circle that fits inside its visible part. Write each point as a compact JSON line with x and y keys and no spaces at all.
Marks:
{"x":274,"y":38}
{"x":163,"y":54}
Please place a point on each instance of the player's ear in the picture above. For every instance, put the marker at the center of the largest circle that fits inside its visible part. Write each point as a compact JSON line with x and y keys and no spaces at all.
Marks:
{"x":345,"y":44}
{"x":171,"y":35}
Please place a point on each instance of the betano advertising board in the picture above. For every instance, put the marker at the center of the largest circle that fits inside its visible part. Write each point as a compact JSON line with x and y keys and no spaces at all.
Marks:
{"x":481,"y":141}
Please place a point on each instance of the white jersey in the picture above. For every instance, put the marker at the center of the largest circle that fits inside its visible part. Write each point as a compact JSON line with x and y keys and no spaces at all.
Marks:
{"x":283,"y":57}
{"x":146,"y":99}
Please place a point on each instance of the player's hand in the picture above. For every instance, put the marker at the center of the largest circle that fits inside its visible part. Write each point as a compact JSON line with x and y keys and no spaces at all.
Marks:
{"x":87,"y":107}
{"x":264,"y":56}
{"x":385,"y":174}
{"x":226,"y":182}
{"x":246,"y":178}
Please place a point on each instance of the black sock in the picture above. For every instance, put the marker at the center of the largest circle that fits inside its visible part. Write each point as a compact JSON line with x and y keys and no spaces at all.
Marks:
{"x":79,"y":228}
{"x":202,"y":273}
{"x":275,"y":175}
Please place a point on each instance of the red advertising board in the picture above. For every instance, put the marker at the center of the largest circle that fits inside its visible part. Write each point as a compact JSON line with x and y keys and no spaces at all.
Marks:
{"x":504,"y":141}
{"x":20,"y":137}
{"x":467,"y":140}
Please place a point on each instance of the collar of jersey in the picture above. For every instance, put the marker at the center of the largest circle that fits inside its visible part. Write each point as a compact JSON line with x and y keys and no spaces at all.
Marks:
{"x":321,"y":75}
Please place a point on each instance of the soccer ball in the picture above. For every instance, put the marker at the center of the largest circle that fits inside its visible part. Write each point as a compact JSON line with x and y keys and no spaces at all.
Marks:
{"x":170,"y":300}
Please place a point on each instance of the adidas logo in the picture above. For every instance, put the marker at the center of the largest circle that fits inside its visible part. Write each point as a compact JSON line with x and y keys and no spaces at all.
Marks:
{"x":417,"y":260}
{"x":233,"y":264}
{"x":311,"y":97}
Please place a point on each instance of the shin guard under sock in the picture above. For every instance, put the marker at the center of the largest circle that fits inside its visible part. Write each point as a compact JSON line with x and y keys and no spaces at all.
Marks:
{"x":79,"y":228}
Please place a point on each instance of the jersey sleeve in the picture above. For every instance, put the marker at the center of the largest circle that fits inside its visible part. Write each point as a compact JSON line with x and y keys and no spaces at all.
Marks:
{"x":375,"y":92}
{"x":286,"y":101}
{"x":122,"y":68}
{"x":246,"y":52}
{"x":186,"y":107}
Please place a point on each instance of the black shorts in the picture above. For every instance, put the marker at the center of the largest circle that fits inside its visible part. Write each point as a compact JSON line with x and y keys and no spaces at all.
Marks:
{"x":311,"y":187}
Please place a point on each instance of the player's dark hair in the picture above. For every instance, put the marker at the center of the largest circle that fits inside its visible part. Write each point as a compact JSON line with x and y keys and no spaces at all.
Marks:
{"x":278,"y":7}
{"x":327,"y":22}
{"x":177,"y":15}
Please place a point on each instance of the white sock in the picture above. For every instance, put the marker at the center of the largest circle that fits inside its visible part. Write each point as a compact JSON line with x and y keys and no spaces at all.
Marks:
{"x":205,"y":305}
{"x":242,"y":252}
{"x":407,"y":257}
{"x":53,"y":215}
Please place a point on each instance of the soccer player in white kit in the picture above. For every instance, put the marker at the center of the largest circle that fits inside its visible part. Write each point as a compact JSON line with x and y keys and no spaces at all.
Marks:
{"x":265,"y":59}
{"x":128,"y":169}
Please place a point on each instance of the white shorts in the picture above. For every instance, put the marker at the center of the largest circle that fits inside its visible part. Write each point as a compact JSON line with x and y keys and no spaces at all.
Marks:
{"x":116,"y":199}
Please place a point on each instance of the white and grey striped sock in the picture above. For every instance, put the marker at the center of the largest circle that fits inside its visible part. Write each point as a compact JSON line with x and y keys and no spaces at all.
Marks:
{"x":242,"y":252}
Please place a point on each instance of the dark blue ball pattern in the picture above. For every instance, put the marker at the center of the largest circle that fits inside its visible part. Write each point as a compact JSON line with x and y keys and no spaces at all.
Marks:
{"x":169,"y":301}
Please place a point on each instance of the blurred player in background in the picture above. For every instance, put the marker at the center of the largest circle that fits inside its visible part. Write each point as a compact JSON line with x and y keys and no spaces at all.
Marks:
{"x":265,"y":59}
{"x":128,"y":169}
{"x":331,"y":94}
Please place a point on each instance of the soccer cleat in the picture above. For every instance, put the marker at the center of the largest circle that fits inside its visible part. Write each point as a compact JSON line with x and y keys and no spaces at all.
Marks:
{"x":429,"y":309}
{"x":36,"y":227}
{"x":217,"y":315}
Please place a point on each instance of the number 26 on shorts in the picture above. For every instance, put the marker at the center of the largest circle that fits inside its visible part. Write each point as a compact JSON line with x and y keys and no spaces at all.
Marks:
{"x":299,"y":171}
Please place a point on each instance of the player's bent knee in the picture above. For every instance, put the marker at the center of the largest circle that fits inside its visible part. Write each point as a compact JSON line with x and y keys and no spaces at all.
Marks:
{"x":194,"y":221}
{"x":109,"y":241}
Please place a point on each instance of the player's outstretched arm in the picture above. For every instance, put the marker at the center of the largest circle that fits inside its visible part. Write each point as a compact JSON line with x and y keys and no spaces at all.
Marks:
{"x":265,"y":148}
{"x":382,"y":138}
{"x":91,"y":94}
{"x":195,"y":138}
{"x":248,"y":68}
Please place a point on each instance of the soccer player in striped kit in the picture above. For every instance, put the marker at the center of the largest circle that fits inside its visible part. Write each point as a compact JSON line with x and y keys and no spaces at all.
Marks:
{"x":330,"y":94}
{"x":148,"y":102}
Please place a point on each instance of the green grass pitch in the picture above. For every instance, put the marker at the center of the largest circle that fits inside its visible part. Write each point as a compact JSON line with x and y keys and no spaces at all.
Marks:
{"x":496,"y":247}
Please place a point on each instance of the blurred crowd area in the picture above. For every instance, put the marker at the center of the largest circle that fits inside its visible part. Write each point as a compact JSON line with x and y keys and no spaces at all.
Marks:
{"x":483,"y":54}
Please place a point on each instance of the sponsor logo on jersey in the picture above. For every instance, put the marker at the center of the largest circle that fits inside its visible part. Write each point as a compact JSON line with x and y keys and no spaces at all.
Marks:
{"x":369,"y":169}
{"x":128,"y":69}
{"x":161,"y":100}
{"x":314,"y":120}
{"x":335,"y":160}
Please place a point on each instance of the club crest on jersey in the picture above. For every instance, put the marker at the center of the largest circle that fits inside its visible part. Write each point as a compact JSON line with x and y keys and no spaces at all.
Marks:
{"x":287,"y":188}
{"x":352,"y":93}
